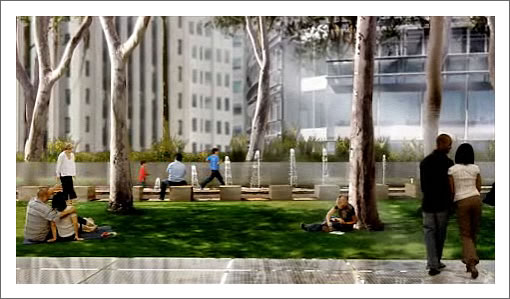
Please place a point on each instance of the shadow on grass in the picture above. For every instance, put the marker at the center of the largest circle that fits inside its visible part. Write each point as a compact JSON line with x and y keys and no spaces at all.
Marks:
{"x":252,"y":229}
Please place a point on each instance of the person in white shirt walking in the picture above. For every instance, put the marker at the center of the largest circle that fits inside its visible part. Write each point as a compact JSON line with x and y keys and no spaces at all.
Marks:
{"x":465,"y":185}
{"x":66,"y":171}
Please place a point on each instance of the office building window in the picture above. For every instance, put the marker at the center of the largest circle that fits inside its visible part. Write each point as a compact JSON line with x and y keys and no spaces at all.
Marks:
{"x":238,"y":130}
{"x":87,"y":124}
{"x":179,"y":47}
{"x":219,"y":147}
{"x":227,"y":56}
{"x":179,"y":100}
{"x":227,"y":104}
{"x":194,"y":124}
{"x":87,"y":96}
{"x":195,"y":76}
{"x":414,"y":42}
{"x":194,"y":147}
{"x":238,"y":110}
{"x":201,"y":53}
{"x":179,"y":127}
{"x":194,"y":52}
{"x":218,"y":55}
{"x":477,"y":42}
{"x":68,"y":71}
{"x":87,"y":68}
{"x":218,"y":79}
{"x":201,"y":125}
{"x":237,"y":63}
{"x":458,"y":40}
{"x":179,"y":73}
{"x":218,"y":127}
{"x":218,"y":103}
{"x":201,"y":77}
{"x":199,"y":28}
{"x":237,"y":86}
{"x":87,"y":147}
{"x":208,"y":103}
{"x":67,"y":37}
{"x":227,"y":128}
{"x":227,"y":80}
{"x":208,"y":31}
{"x":208,"y":78}
{"x":191,"y":27}
{"x":237,"y":41}
{"x":68,"y":96}
{"x":67,"y":123}
{"x":208,"y":126}
{"x":208,"y":54}
{"x":194,"y":100}
{"x":201,"y":101}
{"x":179,"y":22}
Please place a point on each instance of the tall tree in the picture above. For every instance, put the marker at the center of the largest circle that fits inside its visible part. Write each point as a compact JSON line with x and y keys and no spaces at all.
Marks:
{"x":166,"y":109}
{"x":121,"y":196}
{"x":34,"y":147}
{"x":436,"y":53}
{"x":492,"y":49}
{"x":362,"y":158}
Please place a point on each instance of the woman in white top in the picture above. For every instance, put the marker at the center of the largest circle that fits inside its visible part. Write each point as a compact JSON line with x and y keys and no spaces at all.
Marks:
{"x":465,"y":184}
{"x":66,"y":171}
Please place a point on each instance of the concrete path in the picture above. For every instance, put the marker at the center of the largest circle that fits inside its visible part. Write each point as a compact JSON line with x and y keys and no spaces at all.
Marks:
{"x":240,"y":271}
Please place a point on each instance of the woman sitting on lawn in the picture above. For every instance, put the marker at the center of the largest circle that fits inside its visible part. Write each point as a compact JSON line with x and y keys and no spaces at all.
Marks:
{"x":344,"y":222}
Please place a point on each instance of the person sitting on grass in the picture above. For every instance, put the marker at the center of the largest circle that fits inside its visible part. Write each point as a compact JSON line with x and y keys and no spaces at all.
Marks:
{"x":40,"y":215}
{"x":65,"y":228}
{"x":344,"y":222}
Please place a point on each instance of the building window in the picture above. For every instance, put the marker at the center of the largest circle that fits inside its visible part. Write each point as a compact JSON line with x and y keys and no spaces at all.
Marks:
{"x":238,"y":130}
{"x":68,"y":96}
{"x":201,"y":53}
{"x":219,"y":147}
{"x":87,"y":68}
{"x":227,"y":128}
{"x":179,"y":22}
{"x":87,"y":148}
{"x":201,"y":77}
{"x":208,"y":78}
{"x":227,"y":104}
{"x":208,"y":31}
{"x":194,"y":52}
{"x":238,"y":41}
{"x":179,"y":100}
{"x":208,"y":126}
{"x":68,"y":71}
{"x":218,"y":55}
{"x":201,"y":125}
{"x":208,"y":54}
{"x":87,"y":96}
{"x":194,"y":124}
{"x":237,"y":63}
{"x":194,"y":147}
{"x":218,"y":79}
{"x":227,"y":80}
{"x":218,"y":127}
{"x":458,"y":40}
{"x":67,"y":124}
{"x":227,"y":56}
{"x":87,"y":124}
{"x":67,"y":37}
{"x":218,"y":103}
{"x":238,"y":110}
{"x":414,"y":42}
{"x":179,"y":127}
{"x":199,"y":28}
{"x":237,"y":86}
{"x":208,"y":103}
{"x":201,"y":101}
{"x":191,"y":27}
{"x":477,"y":42}
{"x":179,"y":47}
{"x":195,"y":76}
{"x":179,"y":73}
{"x":194,"y":100}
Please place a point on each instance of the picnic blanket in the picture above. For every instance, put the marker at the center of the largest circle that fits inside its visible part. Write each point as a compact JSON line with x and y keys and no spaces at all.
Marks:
{"x":86,"y":236}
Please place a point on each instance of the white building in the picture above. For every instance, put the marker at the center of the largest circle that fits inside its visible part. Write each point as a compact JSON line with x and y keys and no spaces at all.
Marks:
{"x":200,"y":87}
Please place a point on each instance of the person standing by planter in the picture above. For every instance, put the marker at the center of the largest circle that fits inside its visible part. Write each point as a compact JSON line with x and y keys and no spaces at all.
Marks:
{"x":465,"y":185}
{"x":66,"y":171}
{"x":143,"y":174}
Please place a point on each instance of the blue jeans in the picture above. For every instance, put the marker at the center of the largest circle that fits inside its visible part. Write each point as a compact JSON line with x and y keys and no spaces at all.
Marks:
{"x":434,"y":228}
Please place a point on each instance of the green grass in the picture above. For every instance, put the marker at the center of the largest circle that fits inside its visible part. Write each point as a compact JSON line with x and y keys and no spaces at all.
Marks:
{"x":253,"y":229}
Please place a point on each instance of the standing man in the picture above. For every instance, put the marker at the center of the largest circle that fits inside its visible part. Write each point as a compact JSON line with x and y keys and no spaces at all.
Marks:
{"x":437,"y":201}
{"x":214,"y":164}
{"x":176,"y":175}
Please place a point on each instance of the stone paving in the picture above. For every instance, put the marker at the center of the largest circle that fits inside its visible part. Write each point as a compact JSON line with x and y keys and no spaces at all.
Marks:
{"x":42,"y":270}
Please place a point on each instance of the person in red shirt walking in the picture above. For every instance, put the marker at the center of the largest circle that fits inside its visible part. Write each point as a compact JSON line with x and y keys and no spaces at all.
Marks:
{"x":143,"y":174}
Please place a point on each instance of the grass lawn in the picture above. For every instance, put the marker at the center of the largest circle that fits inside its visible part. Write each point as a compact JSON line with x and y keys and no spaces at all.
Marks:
{"x":253,"y":229}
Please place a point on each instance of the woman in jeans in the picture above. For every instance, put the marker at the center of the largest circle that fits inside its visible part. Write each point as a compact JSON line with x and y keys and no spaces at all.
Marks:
{"x":66,"y":171}
{"x":465,"y":183}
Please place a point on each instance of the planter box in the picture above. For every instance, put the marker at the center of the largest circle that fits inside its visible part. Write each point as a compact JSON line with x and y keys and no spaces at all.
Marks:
{"x":280,"y":192}
{"x":27,"y":192}
{"x":327,"y":192}
{"x":181,"y":193}
{"x":381,"y":191}
{"x":138,"y":193}
{"x":413,"y":190}
{"x":85,"y":193}
{"x":230,"y":193}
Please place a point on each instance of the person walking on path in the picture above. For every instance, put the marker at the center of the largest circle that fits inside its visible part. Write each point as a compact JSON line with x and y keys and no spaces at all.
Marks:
{"x":465,"y":186}
{"x":66,"y":171}
{"x":436,"y":201}
{"x":143,"y":174}
{"x":214,"y":165}
{"x":176,"y":175}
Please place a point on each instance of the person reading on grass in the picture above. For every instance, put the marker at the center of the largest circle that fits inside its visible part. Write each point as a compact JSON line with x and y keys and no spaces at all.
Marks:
{"x":344,"y":222}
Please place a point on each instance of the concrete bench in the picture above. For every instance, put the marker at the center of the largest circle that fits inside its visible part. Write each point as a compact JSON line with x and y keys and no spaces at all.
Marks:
{"x":181,"y":193}
{"x":85,"y":193}
{"x":326,"y":192}
{"x":413,"y":190}
{"x":280,"y":192}
{"x":381,"y":191}
{"x":138,"y":193}
{"x":27,"y":192}
{"x":230,"y":193}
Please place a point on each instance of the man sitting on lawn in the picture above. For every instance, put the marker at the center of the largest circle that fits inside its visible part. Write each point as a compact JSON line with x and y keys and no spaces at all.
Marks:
{"x":344,"y":222}
{"x":40,"y":215}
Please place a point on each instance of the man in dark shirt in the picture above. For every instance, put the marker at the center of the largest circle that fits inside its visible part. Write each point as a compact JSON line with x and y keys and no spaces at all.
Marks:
{"x":344,"y":222}
{"x":437,"y":201}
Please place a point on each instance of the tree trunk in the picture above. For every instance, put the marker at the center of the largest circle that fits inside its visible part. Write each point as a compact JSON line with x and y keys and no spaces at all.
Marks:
{"x":166,"y":109}
{"x":121,"y":195}
{"x":492,"y":49}
{"x":362,"y":159}
{"x":433,"y":94}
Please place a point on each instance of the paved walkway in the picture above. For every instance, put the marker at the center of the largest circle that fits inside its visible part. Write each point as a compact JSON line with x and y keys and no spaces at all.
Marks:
{"x":240,"y":271}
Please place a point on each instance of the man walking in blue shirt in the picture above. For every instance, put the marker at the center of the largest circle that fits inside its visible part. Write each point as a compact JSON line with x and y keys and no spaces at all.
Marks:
{"x":214,"y":164}
{"x":176,"y":175}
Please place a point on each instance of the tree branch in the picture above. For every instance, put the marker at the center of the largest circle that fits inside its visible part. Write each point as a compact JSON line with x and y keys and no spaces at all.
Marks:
{"x":70,"y":47}
{"x":136,"y":37}
{"x":254,"y":44}
{"x":262,"y":26}
{"x":21,"y":73}
{"x":41,"y":43}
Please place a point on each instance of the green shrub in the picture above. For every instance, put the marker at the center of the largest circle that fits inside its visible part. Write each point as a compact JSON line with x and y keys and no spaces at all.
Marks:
{"x":239,"y":148}
{"x":381,"y":147}
{"x":20,"y":157}
{"x":411,"y":151}
{"x":342,"y":149}
{"x":92,"y":157}
{"x":55,"y":147}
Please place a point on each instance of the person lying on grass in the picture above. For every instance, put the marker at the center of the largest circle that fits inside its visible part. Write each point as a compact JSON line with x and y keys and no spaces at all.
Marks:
{"x":344,"y":222}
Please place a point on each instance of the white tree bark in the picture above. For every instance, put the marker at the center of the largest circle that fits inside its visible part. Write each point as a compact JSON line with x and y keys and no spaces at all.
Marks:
{"x":433,"y":94}
{"x":121,"y":196}
{"x":492,"y":49}
{"x":362,"y":157}
{"x":261,"y":52}
{"x":34,"y":148}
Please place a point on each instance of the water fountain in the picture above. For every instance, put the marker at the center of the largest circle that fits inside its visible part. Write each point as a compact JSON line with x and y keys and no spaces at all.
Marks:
{"x":194,"y":177}
{"x":293,"y":170}
{"x":157,"y":184}
{"x":384,"y":169}
{"x":381,"y":190}
{"x":228,"y":171}
{"x":324,"y":165}
{"x":255,"y":173}
{"x":323,"y":191}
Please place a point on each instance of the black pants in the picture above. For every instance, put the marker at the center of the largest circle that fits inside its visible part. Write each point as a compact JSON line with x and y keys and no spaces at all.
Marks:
{"x":214,"y":174}
{"x":68,"y":187}
{"x":167,"y":183}
{"x":317,"y":227}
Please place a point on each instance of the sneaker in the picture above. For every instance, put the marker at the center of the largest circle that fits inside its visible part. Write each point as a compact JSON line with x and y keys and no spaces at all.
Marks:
{"x":106,"y":235}
{"x":433,"y":272}
{"x":474,"y":272}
